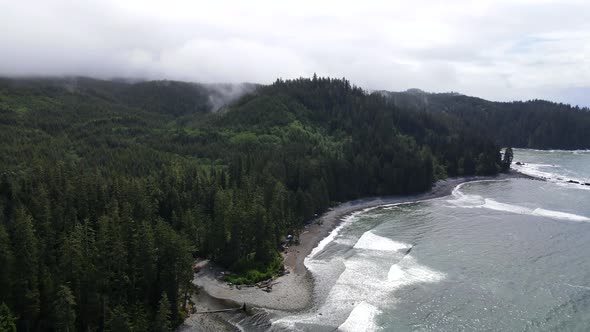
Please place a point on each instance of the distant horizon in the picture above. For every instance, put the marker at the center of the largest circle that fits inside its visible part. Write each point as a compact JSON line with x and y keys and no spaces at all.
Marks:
{"x":132,"y":80}
{"x":499,"y":50}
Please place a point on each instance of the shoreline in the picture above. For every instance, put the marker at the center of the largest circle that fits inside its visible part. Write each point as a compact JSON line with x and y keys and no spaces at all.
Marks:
{"x":293,"y":292}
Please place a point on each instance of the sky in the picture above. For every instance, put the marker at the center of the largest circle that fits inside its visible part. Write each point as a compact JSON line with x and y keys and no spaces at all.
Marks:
{"x":499,"y":50}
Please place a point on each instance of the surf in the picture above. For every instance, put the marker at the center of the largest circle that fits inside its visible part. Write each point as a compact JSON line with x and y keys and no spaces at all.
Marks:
{"x":461,"y":200}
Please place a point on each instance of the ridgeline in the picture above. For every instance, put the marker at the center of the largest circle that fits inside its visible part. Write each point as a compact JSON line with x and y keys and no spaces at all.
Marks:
{"x":108,"y":189}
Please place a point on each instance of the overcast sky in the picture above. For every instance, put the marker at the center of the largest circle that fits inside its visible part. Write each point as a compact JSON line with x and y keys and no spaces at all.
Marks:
{"x":499,"y":50}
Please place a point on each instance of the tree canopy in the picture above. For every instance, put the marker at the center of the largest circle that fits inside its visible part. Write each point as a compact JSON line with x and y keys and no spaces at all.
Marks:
{"x":536,"y":124}
{"x":108,"y":190}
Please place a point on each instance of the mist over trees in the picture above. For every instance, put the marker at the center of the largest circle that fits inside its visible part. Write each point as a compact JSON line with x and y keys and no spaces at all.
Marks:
{"x":108,"y":190}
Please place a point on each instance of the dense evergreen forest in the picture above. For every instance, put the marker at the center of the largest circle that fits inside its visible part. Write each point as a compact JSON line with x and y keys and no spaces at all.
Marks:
{"x":536,"y":124}
{"x":109,"y":189}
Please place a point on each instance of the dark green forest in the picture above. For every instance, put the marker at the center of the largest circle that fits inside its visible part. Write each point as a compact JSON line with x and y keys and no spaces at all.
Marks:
{"x":536,"y":124}
{"x":109,"y":189}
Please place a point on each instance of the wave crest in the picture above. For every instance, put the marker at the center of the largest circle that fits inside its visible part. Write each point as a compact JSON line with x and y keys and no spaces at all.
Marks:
{"x":361,"y":318}
{"x":475,"y":201}
{"x":371,"y":241}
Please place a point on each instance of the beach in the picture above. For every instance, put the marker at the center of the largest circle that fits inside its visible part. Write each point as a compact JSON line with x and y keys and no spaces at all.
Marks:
{"x":293,"y":291}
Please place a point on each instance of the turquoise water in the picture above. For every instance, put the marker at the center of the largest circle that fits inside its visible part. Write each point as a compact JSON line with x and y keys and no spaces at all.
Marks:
{"x":510,"y":255}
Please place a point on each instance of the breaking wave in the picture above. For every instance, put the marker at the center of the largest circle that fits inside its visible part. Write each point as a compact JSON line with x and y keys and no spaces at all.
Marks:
{"x":362,"y":318}
{"x":364,"y":278}
{"x":332,"y":236}
{"x":371,"y":241}
{"x":551,"y":173}
{"x":475,"y":201}
{"x":407,"y":272}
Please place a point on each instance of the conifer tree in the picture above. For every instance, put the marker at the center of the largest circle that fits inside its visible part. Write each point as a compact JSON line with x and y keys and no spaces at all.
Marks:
{"x":118,"y":320}
{"x":64,"y":310}
{"x":7,"y":320}
{"x":507,"y":159}
{"x":162,"y":320}
{"x":6,"y":264}
{"x":26,"y":268}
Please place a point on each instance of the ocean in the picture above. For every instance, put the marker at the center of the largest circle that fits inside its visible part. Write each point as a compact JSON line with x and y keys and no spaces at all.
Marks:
{"x":509,"y":255}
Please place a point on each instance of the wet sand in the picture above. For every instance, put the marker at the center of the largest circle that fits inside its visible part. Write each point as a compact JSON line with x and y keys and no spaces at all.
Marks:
{"x":293,"y":291}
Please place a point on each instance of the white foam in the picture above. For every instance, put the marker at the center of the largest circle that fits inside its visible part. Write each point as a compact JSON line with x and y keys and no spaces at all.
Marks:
{"x":395,"y":273}
{"x":371,"y":241}
{"x":559,"y":215}
{"x":369,"y":273}
{"x":325,"y":241}
{"x":493,"y":205}
{"x":362,"y":318}
{"x":578,"y":152}
{"x":534,"y":170}
{"x":457,"y":193}
{"x":346,"y":241}
{"x":475,"y":201}
{"x":497,"y":206}
{"x":563,"y":151}
{"x":369,"y":276}
{"x":539,"y":171}
{"x":578,"y":286}
{"x":408,"y":271}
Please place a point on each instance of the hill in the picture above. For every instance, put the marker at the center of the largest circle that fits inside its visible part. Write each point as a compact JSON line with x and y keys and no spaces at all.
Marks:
{"x":536,"y":124}
{"x":109,"y":188}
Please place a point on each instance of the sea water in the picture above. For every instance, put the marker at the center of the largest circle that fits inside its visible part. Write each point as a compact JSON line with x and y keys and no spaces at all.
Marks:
{"x":510,"y":255}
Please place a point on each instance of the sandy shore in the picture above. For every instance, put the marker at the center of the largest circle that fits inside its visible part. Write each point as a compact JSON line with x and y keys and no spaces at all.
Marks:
{"x":293,"y":292}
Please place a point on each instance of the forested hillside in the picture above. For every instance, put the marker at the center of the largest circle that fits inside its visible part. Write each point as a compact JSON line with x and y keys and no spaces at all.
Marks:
{"x":534,"y":124}
{"x":109,"y":189}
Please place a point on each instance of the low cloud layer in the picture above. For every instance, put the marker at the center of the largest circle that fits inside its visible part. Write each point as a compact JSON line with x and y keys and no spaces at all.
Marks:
{"x":500,"y":49}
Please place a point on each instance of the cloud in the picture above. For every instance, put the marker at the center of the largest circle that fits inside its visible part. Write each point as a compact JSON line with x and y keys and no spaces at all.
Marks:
{"x":500,"y":49}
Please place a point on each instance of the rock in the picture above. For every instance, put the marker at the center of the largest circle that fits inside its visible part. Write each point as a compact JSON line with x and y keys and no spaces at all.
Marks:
{"x":519,"y":163}
{"x":587,"y":184}
{"x":572,"y":181}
